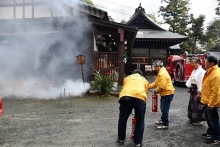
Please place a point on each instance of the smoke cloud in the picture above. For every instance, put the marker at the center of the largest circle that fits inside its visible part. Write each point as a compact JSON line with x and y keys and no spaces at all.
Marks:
{"x":38,"y":59}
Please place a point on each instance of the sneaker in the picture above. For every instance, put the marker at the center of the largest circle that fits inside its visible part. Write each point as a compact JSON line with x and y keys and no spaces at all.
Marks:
{"x":138,"y":145}
{"x":206,"y":135}
{"x":162,"y":127}
{"x":213,"y":141}
{"x":199,"y":123}
{"x":120,"y":141}
{"x":158,"y":122}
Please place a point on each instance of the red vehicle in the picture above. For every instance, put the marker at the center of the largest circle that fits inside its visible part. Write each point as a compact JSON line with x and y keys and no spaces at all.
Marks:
{"x":1,"y":106}
{"x":179,"y":67}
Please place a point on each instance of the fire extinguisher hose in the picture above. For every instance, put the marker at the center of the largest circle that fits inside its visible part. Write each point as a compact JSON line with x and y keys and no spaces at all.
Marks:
{"x":151,"y":91}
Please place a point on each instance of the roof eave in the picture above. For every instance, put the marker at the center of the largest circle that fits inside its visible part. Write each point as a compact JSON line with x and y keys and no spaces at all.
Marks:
{"x":172,"y":39}
{"x":113,"y":24}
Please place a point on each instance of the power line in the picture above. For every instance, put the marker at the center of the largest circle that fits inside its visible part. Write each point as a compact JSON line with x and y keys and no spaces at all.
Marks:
{"x":106,"y":8}
{"x":119,"y":4}
{"x":67,"y":3}
{"x":112,"y":10}
{"x":209,"y":8}
{"x":99,"y":6}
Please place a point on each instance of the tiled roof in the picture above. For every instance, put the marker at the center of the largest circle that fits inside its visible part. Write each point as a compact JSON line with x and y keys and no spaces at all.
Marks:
{"x":151,"y":30}
{"x":94,"y":11}
{"x":154,"y":34}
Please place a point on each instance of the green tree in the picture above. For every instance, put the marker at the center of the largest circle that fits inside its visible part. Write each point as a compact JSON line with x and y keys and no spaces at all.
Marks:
{"x":153,"y":18}
{"x":176,"y":14}
{"x":211,"y":39}
{"x":89,"y":2}
{"x":196,"y":31}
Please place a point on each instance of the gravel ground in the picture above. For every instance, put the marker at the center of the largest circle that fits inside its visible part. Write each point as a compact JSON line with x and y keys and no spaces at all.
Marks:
{"x":91,"y":121}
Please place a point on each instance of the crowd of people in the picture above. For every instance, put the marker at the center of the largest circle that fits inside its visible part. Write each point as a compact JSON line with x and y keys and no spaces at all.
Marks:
{"x":203,"y":86}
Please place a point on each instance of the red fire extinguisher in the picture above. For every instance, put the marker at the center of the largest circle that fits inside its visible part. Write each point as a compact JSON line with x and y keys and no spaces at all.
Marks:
{"x":1,"y":105}
{"x":154,"y":102}
{"x":133,"y":122}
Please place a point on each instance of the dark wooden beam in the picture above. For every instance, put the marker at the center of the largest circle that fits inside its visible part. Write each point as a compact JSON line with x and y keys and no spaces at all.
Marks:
{"x":121,"y":50}
{"x":107,"y":32}
{"x":112,"y":25}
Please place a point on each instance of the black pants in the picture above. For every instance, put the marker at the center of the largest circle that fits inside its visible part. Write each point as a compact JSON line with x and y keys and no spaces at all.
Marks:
{"x":125,"y":109}
{"x":213,"y":122}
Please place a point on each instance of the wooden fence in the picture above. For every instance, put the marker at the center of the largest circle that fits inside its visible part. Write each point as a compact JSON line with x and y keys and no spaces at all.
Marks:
{"x":106,"y":62}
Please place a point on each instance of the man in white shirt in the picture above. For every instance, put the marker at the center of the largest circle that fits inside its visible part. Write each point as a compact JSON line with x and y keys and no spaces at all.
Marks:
{"x":196,"y":110}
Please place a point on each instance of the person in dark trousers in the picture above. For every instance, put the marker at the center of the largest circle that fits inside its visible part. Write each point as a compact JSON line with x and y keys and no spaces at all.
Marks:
{"x":133,"y":96}
{"x":196,"y":110}
{"x":210,"y":97}
{"x":164,"y":87}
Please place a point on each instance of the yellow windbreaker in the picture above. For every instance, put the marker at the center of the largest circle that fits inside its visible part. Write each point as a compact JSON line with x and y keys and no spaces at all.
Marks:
{"x":211,"y":87}
{"x":135,"y":86}
{"x":163,"y":83}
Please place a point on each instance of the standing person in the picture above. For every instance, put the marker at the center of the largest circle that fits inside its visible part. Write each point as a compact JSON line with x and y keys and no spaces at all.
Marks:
{"x":196,"y":110}
{"x":133,"y":95}
{"x":164,"y":87}
{"x":211,"y":99}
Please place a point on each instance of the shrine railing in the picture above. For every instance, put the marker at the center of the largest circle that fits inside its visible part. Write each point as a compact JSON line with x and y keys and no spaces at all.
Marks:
{"x":106,"y":62}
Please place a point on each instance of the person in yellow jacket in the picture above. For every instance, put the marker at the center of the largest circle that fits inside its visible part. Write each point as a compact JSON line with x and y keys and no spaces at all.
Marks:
{"x":210,"y":97}
{"x":133,"y":96}
{"x":164,"y":87}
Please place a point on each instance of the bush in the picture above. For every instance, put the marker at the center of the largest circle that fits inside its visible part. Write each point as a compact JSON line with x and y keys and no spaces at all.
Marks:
{"x":104,"y":83}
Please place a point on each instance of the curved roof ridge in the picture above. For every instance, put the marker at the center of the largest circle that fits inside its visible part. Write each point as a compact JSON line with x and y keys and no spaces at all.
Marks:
{"x":141,"y":11}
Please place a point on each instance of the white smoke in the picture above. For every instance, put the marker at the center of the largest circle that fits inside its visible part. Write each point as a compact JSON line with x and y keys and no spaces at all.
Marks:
{"x":38,"y":60}
{"x":31,"y":88}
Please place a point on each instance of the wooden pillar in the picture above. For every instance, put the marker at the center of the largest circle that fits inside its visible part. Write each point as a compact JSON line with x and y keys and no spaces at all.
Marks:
{"x":121,"y":50}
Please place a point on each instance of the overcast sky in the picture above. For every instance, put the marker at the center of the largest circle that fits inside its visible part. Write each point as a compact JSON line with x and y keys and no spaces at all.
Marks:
{"x":124,"y":9}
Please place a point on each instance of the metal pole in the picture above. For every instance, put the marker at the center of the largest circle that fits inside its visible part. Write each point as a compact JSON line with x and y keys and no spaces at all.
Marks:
{"x":64,"y":92}
{"x":82,"y":73}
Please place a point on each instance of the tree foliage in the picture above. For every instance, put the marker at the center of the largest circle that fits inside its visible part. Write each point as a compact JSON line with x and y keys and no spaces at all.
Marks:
{"x":211,"y":39}
{"x":154,"y":19}
{"x":175,"y":13}
{"x":196,"y":31}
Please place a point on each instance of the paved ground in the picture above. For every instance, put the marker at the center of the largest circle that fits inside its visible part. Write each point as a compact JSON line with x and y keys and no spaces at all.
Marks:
{"x":90,"y":121}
